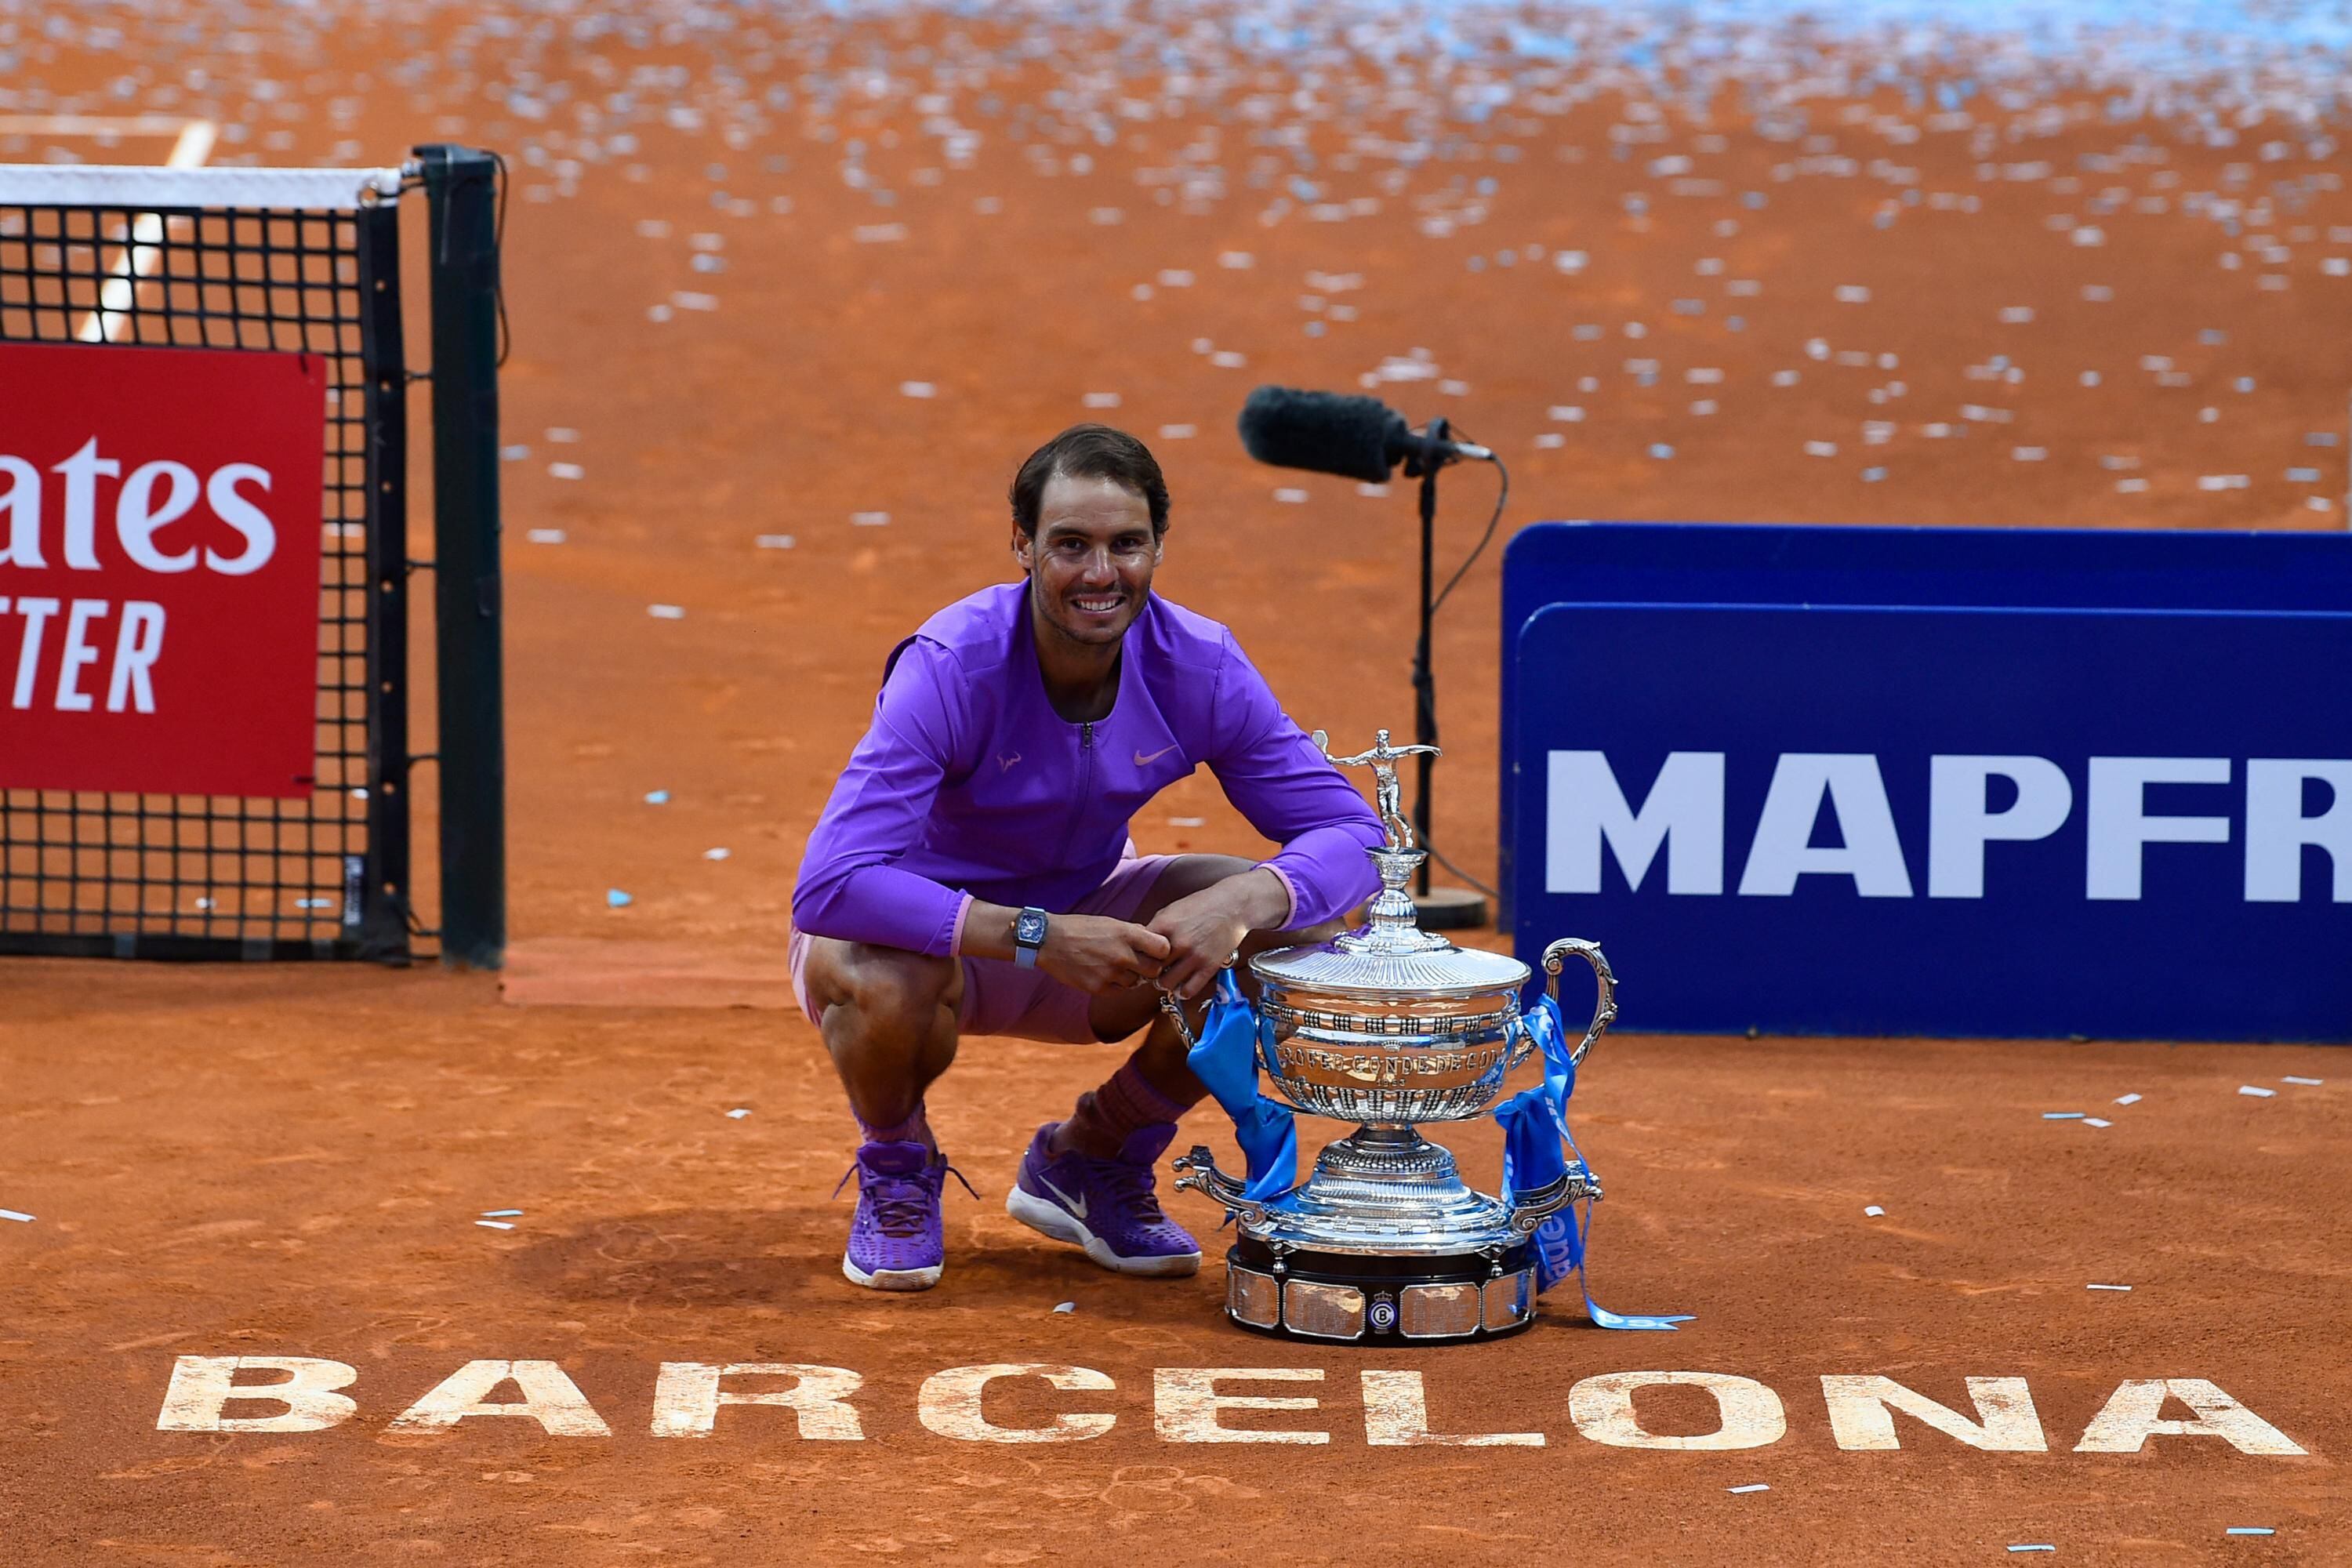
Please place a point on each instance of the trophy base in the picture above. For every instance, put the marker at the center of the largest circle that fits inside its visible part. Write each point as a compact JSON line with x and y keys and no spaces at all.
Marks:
{"x":1302,"y":1294}
{"x":1385,"y":1192}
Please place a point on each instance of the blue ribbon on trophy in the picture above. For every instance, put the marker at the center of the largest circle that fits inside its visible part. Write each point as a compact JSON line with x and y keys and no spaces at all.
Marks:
{"x":1535,"y":1129}
{"x":1225,"y":1059}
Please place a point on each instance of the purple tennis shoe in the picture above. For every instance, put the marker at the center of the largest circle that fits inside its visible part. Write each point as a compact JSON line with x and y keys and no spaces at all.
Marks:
{"x":1106,"y":1206}
{"x":896,"y":1240}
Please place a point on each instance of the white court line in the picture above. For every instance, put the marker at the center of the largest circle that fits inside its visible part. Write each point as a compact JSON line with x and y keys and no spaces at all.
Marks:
{"x":192,"y":144}
{"x":120,"y":292}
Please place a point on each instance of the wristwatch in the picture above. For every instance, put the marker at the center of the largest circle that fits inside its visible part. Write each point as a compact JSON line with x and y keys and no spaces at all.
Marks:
{"x":1028,"y":936}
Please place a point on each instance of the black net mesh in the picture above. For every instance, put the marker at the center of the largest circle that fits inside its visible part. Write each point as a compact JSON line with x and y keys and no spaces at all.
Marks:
{"x":212,"y":875}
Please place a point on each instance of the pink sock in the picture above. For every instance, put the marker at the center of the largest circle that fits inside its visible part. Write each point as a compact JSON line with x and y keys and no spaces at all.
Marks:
{"x":1106,"y":1117}
{"x":1128,"y":1103}
{"x":914,"y":1129}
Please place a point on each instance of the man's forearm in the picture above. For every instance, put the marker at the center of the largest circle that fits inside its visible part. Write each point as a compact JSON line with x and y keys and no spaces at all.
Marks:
{"x":987,"y":930}
{"x":1329,"y":868}
{"x":877,"y":904}
{"x":1257,"y":898}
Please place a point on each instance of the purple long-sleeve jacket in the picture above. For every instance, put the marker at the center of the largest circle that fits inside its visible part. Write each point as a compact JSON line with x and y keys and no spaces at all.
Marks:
{"x":969,"y":785}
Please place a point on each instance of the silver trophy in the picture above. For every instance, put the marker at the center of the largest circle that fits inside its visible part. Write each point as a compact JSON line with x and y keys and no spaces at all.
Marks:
{"x":1390,"y":1027}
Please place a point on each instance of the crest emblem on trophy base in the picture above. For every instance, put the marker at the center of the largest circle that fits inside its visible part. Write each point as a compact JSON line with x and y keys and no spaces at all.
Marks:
{"x":1391,"y":1026}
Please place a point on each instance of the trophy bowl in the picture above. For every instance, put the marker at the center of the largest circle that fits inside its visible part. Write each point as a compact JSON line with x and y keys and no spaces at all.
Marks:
{"x":1390,"y":1027}
{"x":1375,"y":1026}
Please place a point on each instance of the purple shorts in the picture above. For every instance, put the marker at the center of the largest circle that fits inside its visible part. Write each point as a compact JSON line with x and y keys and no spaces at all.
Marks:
{"x":999,"y":997}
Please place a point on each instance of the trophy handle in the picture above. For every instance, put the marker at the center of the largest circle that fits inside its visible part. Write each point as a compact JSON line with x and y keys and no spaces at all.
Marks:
{"x":1175,"y":1011}
{"x":1200,"y":1173}
{"x":1532,"y":1209}
{"x":1554,"y":958}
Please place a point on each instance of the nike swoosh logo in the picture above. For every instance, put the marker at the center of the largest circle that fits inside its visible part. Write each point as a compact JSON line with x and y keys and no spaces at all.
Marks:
{"x":1076,"y":1205}
{"x":1004,"y":764}
{"x":1141,"y":760}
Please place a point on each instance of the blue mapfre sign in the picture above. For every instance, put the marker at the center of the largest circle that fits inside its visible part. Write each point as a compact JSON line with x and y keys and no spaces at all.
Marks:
{"x":1943,"y":820}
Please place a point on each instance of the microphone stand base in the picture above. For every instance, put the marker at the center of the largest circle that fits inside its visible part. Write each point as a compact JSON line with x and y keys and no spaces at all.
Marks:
{"x":1449,"y":908}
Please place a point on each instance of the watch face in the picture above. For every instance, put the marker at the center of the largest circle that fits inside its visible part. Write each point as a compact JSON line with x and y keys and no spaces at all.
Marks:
{"x":1030,"y":928}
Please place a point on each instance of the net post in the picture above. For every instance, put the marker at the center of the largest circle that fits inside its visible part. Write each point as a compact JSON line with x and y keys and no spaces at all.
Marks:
{"x":376,"y":888}
{"x":461,"y":191}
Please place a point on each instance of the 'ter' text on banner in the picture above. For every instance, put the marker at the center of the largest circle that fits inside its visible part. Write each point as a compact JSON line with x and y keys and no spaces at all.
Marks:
{"x":160,"y":514}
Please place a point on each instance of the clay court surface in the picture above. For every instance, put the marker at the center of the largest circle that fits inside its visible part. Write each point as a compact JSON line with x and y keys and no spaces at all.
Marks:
{"x":289,"y":1161}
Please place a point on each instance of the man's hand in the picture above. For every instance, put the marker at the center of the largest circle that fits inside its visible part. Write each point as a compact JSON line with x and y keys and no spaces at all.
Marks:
{"x":1204,"y":930}
{"x":1100,"y":955}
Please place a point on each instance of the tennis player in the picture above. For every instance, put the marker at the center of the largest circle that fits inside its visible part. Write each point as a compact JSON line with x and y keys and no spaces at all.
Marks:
{"x":972,"y":873}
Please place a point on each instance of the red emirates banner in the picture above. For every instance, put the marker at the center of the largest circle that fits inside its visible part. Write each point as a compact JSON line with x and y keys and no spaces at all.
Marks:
{"x":159,"y":568}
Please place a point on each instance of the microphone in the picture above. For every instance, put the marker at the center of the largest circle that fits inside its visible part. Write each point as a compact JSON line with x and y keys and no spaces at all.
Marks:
{"x":1334,"y":433}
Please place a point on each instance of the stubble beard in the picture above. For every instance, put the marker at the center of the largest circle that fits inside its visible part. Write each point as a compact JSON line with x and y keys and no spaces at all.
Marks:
{"x":1051,"y":606}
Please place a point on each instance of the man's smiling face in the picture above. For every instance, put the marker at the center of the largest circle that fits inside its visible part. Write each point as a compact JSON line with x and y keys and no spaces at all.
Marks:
{"x":1090,"y":564}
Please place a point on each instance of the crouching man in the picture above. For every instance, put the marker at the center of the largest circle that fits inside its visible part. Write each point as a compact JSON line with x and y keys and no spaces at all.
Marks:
{"x":971,"y":873}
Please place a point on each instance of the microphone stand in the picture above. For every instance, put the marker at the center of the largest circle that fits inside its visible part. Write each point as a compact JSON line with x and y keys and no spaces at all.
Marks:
{"x":1437,"y":909}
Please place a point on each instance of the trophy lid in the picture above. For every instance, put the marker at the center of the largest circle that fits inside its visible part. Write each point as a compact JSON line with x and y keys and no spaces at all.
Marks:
{"x":1389,"y":956}
{"x":1442,"y":972}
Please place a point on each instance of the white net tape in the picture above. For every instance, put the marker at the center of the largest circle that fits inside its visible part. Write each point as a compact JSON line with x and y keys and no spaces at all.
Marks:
{"x":148,"y":186}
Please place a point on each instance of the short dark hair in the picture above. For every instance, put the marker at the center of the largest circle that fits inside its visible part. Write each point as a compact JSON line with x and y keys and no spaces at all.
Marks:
{"x":1090,"y":452}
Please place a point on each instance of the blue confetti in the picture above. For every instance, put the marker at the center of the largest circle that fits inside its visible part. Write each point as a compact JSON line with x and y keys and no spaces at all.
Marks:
{"x":616,"y":898}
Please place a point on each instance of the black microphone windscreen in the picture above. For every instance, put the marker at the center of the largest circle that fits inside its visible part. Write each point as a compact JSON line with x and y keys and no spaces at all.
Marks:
{"x":1328,"y":432}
